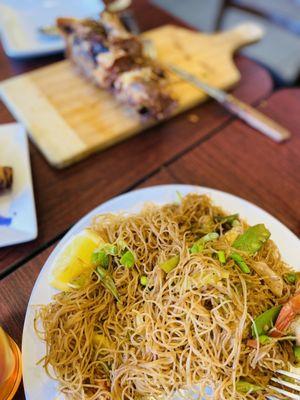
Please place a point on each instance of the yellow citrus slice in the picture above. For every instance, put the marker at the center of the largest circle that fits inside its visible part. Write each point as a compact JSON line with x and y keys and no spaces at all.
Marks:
{"x":73,"y":265}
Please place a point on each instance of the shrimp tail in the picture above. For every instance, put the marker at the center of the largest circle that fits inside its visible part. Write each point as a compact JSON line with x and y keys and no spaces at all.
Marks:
{"x":286,"y":316}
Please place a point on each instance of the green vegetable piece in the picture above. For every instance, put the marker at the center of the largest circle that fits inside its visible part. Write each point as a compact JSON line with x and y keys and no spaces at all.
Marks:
{"x":209,"y":237}
{"x":144,"y":280}
{"x":121,"y":244}
{"x":127,"y":259}
{"x":221,"y":257}
{"x":170,"y":264}
{"x":291,"y":278}
{"x":198,"y":246}
{"x":240,"y":262}
{"x":296,"y":350}
{"x":227,"y":219}
{"x":109,"y":249}
{"x":264,"y":339}
{"x":253,"y":239}
{"x":107,"y":281}
{"x":179,"y":195}
{"x":236,"y":222}
{"x":209,"y":278}
{"x":99,"y":257}
{"x":247,"y":387}
{"x":265,"y":321}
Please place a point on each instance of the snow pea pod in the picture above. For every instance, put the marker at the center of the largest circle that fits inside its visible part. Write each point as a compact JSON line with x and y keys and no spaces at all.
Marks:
{"x":265,"y":321}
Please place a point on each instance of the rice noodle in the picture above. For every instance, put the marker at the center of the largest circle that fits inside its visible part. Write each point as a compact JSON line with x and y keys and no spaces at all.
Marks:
{"x":176,"y":332}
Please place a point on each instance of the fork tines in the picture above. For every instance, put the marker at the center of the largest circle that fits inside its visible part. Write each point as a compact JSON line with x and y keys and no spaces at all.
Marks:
{"x":294,"y":386}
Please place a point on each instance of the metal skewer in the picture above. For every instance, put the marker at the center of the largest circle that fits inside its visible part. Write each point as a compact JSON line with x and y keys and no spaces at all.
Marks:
{"x":244,"y":111}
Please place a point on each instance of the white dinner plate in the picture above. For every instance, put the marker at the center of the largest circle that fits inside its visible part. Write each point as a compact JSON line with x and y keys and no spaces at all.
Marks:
{"x":20,"y":20}
{"x":17,"y":207}
{"x":36,"y":383}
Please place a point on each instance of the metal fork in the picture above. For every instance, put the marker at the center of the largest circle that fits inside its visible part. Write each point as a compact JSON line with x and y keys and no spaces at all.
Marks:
{"x":286,"y":384}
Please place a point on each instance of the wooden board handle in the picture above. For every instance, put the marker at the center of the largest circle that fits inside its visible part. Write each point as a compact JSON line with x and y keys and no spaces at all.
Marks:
{"x":241,"y":35}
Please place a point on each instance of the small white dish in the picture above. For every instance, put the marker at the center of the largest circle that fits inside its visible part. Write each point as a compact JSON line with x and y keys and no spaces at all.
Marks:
{"x":17,"y":208}
{"x":20,"y":20}
{"x":37,"y":384}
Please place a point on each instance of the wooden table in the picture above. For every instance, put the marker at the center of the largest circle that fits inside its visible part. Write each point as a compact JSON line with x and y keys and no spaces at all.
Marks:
{"x":217,"y":151}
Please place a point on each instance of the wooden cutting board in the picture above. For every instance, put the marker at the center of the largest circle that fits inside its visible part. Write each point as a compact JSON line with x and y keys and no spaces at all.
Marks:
{"x":68,"y":117}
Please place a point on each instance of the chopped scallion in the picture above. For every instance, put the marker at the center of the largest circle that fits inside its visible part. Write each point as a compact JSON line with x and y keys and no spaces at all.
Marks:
{"x":144,"y":280}
{"x":127,"y":259}
{"x":209,"y":237}
{"x":247,"y":387}
{"x":291,"y":278}
{"x":240,"y":262}
{"x":99,"y":257}
{"x":264,"y":339}
{"x":109,"y":249}
{"x":198,"y":246}
{"x":227,"y":219}
{"x":121,"y":244}
{"x":221,"y":257}
{"x":107,"y":281}
{"x":170,"y":264}
{"x":179,"y":195}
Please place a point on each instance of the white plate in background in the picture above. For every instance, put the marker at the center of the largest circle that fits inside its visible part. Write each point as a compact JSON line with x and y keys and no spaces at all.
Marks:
{"x":20,"y":20}
{"x":37,"y":383}
{"x":17,"y":208}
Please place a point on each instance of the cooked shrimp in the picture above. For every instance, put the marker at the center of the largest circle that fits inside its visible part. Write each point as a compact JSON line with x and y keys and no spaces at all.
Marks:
{"x":286,"y":316}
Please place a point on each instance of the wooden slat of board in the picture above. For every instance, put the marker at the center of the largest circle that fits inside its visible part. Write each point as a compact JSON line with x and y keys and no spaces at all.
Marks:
{"x":44,"y":115}
{"x":63,"y":196}
{"x":243,"y":162}
{"x":68,"y":117}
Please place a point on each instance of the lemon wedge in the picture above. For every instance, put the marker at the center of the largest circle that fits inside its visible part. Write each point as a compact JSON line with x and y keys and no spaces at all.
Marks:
{"x":72,"y":266}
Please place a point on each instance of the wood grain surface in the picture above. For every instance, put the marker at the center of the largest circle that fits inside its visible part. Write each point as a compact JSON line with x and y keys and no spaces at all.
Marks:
{"x":243,"y":162}
{"x":62,"y":197}
{"x":215,"y":150}
{"x":68,"y":117}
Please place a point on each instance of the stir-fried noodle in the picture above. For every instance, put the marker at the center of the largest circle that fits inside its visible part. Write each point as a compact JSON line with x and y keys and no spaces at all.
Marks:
{"x":179,"y":329}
